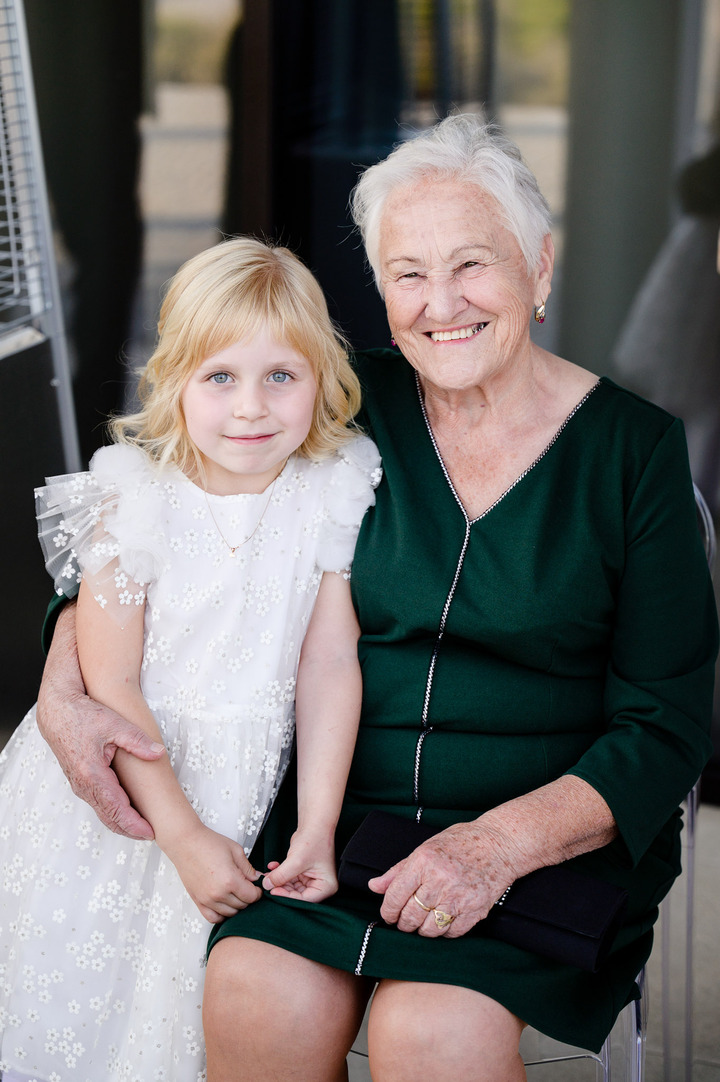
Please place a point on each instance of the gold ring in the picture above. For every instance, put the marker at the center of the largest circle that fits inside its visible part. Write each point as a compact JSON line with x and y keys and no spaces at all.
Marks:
{"x":427,"y":908}
{"x":442,"y":920}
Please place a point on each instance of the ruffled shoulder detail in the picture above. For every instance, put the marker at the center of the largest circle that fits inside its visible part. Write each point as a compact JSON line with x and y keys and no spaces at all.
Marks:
{"x":355,"y":473}
{"x":104,"y":524}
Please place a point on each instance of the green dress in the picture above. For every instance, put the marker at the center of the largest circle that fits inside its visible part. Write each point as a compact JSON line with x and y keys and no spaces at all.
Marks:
{"x":570,"y":629}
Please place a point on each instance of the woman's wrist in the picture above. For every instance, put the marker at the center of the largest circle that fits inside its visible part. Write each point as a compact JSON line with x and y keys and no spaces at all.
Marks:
{"x":552,"y":824}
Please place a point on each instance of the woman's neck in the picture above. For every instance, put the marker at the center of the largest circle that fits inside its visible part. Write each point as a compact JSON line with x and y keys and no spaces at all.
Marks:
{"x":508,"y":398}
{"x":487,"y":440}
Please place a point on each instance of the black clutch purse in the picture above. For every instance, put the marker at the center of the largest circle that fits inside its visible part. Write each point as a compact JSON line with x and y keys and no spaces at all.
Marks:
{"x":555,"y":912}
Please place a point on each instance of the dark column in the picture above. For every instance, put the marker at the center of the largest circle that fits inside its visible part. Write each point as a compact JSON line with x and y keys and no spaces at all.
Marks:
{"x":87,"y":69}
{"x":332,"y":94}
{"x":623,"y":90}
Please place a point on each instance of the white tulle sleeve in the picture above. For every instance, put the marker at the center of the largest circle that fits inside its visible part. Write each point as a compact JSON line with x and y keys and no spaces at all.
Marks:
{"x":355,"y":475}
{"x":102,"y":525}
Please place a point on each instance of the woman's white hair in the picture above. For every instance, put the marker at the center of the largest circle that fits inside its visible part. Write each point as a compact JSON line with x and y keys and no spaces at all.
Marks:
{"x":466,"y":148}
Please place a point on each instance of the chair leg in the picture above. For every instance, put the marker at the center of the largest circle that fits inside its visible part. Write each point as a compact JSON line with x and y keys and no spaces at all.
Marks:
{"x":640,"y":1012}
{"x":606,"y":1060}
{"x":692,"y":810}
{"x":686,"y":972}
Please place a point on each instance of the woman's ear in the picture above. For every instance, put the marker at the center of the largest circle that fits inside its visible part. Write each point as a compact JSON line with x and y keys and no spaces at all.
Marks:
{"x":546,"y":262}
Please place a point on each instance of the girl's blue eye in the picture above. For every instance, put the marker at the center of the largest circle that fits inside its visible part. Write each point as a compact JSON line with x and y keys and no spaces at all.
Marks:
{"x":279,"y":377}
{"x":220,"y":378}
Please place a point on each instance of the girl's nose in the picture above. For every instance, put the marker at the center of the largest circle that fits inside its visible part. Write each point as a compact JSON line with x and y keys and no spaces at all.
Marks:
{"x":249,"y":402}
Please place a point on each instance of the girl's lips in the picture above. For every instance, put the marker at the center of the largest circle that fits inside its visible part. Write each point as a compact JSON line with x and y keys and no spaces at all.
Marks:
{"x":251,"y":439}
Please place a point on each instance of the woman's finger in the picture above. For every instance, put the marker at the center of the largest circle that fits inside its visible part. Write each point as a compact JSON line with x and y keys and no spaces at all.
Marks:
{"x":438,"y":922}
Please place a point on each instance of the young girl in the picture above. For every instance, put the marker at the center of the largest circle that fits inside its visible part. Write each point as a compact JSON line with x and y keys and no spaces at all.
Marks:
{"x":213,"y":542}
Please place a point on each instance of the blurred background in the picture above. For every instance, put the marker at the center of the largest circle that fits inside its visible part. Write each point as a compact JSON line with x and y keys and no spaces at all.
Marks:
{"x":167,"y":124}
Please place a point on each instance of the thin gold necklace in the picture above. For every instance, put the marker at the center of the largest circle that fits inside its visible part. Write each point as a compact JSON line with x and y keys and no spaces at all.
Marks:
{"x":233,"y":548}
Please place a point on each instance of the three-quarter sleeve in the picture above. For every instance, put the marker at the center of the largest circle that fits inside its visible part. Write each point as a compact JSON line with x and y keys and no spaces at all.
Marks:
{"x":659,"y":683}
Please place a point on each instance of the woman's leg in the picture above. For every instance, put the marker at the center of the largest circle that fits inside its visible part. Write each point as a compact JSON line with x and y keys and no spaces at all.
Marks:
{"x":442,"y":1032}
{"x":269,"y":1014}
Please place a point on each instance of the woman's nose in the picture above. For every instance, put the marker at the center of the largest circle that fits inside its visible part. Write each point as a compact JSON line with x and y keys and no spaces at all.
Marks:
{"x":444,"y":299}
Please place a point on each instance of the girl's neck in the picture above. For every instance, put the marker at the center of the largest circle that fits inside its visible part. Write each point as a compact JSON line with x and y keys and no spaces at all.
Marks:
{"x":236,"y":484}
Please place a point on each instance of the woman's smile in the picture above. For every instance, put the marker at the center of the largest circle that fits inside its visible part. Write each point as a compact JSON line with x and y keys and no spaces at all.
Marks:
{"x":456,"y":334}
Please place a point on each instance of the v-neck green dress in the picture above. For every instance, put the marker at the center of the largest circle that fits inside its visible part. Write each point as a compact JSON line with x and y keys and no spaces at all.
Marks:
{"x":571,"y":628}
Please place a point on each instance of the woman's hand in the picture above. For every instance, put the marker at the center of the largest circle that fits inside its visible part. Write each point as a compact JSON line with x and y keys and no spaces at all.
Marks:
{"x":308,"y":872}
{"x":215,"y":872}
{"x":84,"y":736}
{"x":459,"y":873}
{"x":465,"y":869}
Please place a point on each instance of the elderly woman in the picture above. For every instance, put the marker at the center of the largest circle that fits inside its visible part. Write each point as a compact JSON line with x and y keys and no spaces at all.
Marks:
{"x":537,"y":640}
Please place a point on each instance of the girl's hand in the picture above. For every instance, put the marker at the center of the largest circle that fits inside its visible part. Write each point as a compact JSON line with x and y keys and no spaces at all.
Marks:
{"x":215,"y":872}
{"x":308,"y":872}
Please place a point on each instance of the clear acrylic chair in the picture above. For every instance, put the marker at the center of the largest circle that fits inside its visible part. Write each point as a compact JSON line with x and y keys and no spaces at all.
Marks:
{"x":677,"y":986}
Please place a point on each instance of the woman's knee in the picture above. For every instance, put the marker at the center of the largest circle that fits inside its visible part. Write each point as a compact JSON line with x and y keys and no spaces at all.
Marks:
{"x":420,"y":1030}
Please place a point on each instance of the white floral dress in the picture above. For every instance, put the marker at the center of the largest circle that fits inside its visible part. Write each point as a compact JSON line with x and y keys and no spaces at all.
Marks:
{"x":101,"y":949}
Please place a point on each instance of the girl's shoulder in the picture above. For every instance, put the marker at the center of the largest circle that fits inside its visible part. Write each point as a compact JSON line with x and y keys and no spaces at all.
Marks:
{"x":350,"y":478}
{"x":123,"y":466}
{"x":107,"y":514}
{"x":354,"y":466}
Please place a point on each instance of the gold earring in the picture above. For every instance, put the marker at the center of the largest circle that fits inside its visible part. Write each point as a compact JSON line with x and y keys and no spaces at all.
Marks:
{"x":540,"y":313}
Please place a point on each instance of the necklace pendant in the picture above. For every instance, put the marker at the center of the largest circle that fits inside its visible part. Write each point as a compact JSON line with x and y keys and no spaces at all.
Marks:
{"x":232,"y":553}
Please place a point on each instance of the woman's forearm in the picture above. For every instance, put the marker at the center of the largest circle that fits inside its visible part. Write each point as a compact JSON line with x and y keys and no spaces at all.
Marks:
{"x":561,"y":820}
{"x":61,"y":680}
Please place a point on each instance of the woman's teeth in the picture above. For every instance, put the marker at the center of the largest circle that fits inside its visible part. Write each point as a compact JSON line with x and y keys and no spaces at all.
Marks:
{"x":459,"y":332}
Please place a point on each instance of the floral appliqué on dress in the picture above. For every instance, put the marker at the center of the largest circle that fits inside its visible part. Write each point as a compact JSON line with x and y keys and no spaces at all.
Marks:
{"x":101,"y":949}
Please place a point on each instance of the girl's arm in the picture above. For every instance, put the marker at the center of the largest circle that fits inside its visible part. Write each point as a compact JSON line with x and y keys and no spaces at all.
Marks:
{"x":327,"y":707}
{"x":84,"y":736}
{"x":213,"y":868}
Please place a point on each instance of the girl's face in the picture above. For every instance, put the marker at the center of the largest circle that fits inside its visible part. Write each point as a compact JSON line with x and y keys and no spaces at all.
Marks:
{"x":247,"y":408}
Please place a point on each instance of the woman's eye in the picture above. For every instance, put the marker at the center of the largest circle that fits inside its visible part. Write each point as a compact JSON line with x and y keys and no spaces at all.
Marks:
{"x":280,"y":377}
{"x":220,"y":378}
{"x":410,"y":274}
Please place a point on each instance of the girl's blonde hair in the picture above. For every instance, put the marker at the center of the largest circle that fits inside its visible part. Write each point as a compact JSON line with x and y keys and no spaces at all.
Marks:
{"x":224,"y":295}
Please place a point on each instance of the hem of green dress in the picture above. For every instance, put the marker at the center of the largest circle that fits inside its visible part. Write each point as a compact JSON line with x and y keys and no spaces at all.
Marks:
{"x":332,"y":937}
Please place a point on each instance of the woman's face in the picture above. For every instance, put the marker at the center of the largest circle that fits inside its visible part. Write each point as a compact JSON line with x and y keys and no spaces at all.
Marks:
{"x":457,"y":291}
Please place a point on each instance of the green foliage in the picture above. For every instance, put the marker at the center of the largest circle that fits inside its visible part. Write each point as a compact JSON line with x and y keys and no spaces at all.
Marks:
{"x":189,"y":51}
{"x":533,"y":51}
{"x":531,"y":47}
{"x":530,"y":25}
